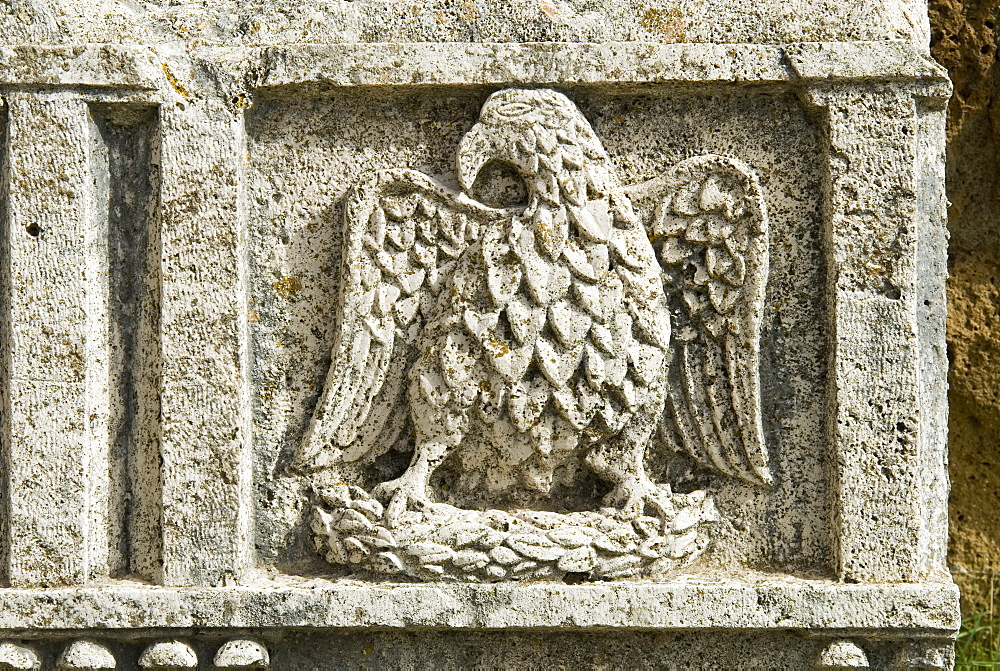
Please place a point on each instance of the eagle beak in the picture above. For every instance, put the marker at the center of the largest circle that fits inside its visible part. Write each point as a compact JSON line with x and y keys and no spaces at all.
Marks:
{"x":474,"y":151}
{"x":485,"y":143}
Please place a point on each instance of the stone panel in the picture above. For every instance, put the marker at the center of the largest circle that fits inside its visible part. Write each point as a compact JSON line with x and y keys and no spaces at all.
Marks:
{"x":363,"y":334}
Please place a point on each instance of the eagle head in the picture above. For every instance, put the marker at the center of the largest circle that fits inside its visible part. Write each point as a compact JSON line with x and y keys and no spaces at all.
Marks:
{"x":545,"y":138}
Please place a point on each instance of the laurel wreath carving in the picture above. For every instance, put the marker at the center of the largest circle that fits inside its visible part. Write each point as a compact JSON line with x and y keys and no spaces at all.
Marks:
{"x":441,"y":542}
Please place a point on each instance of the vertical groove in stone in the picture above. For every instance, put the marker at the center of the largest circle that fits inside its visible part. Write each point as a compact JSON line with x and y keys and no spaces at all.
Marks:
{"x":816,"y":105}
{"x":126,"y":170}
{"x":5,"y":528}
{"x":246,"y":513}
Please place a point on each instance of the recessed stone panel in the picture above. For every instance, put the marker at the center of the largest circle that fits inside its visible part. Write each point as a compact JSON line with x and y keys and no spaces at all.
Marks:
{"x":306,"y":156}
{"x":465,"y":335}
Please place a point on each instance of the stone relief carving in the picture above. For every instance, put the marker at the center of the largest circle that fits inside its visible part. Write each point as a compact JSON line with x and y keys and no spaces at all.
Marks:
{"x":531,"y":355}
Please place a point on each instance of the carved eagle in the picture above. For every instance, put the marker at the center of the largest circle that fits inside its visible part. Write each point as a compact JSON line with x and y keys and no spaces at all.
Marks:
{"x":564,"y":331}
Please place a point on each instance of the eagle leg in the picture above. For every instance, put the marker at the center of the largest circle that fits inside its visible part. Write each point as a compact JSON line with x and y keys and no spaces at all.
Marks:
{"x":620,"y":460}
{"x":632,"y":496}
{"x":411,"y":486}
{"x":440,"y":415}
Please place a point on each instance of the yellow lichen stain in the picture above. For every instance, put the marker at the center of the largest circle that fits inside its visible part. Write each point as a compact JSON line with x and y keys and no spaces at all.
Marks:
{"x":548,"y":9}
{"x":367,"y":650}
{"x":544,"y":232}
{"x":287,"y":287}
{"x":501,"y":347}
{"x":253,"y":316}
{"x":670,"y":23}
{"x":175,"y":83}
{"x":467,"y":11}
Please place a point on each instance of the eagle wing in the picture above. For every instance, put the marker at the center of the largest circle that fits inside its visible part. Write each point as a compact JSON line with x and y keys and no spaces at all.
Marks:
{"x":403,"y":234}
{"x":710,"y":233}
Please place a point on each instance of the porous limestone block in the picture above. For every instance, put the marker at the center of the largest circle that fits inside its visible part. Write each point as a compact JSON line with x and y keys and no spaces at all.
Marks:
{"x":473,"y":335}
{"x":85,"y":654}
{"x":242,"y":654}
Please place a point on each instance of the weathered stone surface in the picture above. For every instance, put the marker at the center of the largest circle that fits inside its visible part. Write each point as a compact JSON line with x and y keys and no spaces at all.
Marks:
{"x":964,"y":41}
{"x":173,"y":655}
{"x":86,"y":655}
{"x":13,"y":656}
{"x":473,"y":318}
{"x":843,"y":655}
{"x":242,"y":654}
{"x":281,"y":22}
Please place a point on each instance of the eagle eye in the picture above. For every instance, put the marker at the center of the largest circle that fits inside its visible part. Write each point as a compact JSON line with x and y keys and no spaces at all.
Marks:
{"x":513,"y":109}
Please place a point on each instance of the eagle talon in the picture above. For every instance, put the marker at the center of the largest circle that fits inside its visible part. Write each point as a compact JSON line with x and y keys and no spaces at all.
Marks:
{"x":400,"y":494}
{"x":632,"y":499}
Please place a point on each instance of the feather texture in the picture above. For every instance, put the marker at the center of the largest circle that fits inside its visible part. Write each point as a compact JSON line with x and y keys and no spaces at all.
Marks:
{"x":563,"y":325}
{"x":710,"y":233}
{"x":401,"y":229}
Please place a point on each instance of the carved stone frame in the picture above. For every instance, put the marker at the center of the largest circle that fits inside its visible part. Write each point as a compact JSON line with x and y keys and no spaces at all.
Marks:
{"x":887,"y":385}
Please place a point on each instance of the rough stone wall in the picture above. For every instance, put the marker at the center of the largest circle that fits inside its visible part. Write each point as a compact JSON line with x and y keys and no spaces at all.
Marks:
{"x":964,"y":40}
